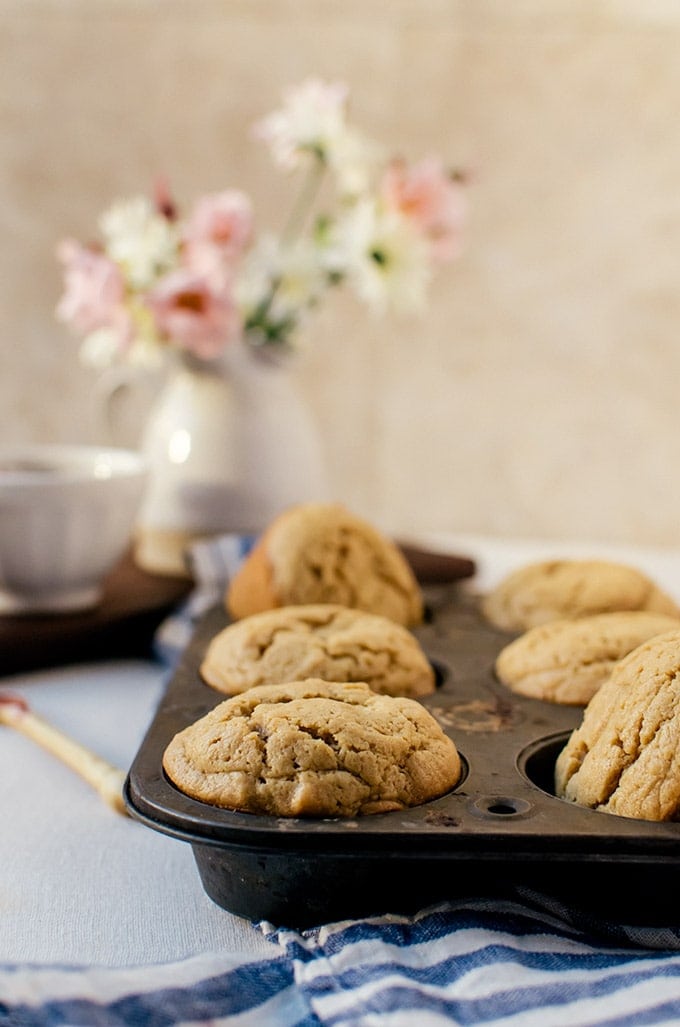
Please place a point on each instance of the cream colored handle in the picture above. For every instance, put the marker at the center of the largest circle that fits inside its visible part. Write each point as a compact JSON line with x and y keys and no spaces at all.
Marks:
{"x":106,"y":779}
{"x":121,"y":399}
{"x":110,"y":388}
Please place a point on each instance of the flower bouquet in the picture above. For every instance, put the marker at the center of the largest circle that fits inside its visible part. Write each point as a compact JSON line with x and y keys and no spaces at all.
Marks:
{"x":157,"y":281}
{"x":228,"y":439}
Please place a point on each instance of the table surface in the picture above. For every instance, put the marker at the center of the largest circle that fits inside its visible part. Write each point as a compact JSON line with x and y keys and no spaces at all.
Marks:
{"x":84,"y":885}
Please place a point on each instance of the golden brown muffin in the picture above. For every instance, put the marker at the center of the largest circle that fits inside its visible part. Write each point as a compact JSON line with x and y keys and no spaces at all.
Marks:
{"x":325,"y":641}
{"x":566,"y":661}
{"x":322,"y":553}
{"x":625,"y":756}
{"x":314,"y":748}
{"x":567,"y":589}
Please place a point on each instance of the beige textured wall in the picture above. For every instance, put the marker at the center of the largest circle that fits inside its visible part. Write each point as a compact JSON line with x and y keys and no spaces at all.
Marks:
{"x":540,"y":393}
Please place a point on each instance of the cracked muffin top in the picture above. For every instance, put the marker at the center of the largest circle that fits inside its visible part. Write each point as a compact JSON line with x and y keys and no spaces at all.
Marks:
{"x":567,"y":589}
{"x":325,"y":641}
{"x":322,"y":553}
{"x":314,"y":748}
{"x":625,"y":756}
{"x":566,"y":661}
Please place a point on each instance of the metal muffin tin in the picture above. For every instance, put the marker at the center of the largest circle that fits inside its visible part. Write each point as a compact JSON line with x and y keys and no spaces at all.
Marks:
{"x":500,"y":829}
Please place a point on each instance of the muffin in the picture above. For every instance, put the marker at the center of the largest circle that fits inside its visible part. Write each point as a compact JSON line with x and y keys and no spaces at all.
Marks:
{"x":322,"y":553}
{"x":568,"y":589}
{"x":624,"y":758}
{"x":314,"y":749}
{"x":566,"y":661}
{"x":325,"y":641}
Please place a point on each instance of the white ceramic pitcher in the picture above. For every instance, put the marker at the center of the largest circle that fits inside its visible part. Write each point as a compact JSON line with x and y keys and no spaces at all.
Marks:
{"x":229,"y":443}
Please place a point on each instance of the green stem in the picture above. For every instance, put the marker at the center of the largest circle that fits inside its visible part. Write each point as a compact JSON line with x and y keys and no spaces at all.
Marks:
{"x":291,"y":231}
{"x":305,"y":201}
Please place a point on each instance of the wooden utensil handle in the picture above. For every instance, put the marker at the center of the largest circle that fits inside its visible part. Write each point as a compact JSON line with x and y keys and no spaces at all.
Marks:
{"x":432,"y":568}
{"x":106,"y":779}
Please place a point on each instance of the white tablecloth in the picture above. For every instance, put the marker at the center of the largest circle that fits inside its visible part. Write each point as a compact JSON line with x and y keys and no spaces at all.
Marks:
{"x":80,"y":884}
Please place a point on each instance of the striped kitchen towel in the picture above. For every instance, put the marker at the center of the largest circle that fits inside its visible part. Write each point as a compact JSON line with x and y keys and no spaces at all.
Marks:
{"x":482,"y":962}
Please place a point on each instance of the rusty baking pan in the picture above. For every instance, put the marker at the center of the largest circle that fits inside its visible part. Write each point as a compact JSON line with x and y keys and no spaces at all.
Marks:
{"x":500,"y":829}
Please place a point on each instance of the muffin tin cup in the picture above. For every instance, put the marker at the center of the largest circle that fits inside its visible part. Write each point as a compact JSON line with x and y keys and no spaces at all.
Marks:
{"x":499,"y":830}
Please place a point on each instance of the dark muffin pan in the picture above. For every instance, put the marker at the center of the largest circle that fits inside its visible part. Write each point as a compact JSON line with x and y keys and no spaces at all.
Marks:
{"x":500,"y":829}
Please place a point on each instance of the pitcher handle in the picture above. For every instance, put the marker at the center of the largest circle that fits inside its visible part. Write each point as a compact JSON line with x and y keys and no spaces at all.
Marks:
{"x":110,"y":387}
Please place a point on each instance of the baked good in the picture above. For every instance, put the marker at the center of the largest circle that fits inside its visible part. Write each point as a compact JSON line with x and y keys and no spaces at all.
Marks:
{"x":566,"y":661}
{"x":326,"y":641}
{"x":314,"y":748}
{"x":322,"y":553}
{"x":556,"y":589}
{"x":625,"y":756}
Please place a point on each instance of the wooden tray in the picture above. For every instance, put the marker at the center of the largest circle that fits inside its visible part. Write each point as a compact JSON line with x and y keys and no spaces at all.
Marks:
{"x":123,"y":625}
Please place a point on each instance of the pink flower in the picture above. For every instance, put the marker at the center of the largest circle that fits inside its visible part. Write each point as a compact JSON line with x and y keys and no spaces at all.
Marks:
{"x":192,"y":313}
{"x":163,"y":200}
{"x":94,"y":291}
{"x":431,"y":199}
{"x":218,"y":230}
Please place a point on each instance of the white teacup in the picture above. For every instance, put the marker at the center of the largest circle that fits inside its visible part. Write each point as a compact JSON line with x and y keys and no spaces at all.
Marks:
{"x":67,"y":514}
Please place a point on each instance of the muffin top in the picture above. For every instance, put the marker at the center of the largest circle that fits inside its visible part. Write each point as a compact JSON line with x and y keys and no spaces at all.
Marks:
{"x":567,"y":589}
{"x":326,"y":641}
{"x":322,"y":553}
{"x":625,"y":756}
{"x":314,"y":748}
{"x":566,"y":661}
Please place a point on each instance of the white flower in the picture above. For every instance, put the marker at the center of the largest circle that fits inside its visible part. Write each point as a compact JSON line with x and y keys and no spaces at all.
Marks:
{"x":100,"y":348}
{"x":139,"y":239}
{"x":382,"y":257}
{"x":311,"y":119}
{"x":354,"y":159}
{"x":257,"y":273}
{"x":302,"y":276}
{"x":289,"y":280}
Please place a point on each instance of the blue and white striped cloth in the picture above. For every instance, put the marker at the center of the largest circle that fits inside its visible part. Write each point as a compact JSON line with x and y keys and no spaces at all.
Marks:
{"x":497,"y":964}
{"x":212,"y":563}
{"x":521,"y":963}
